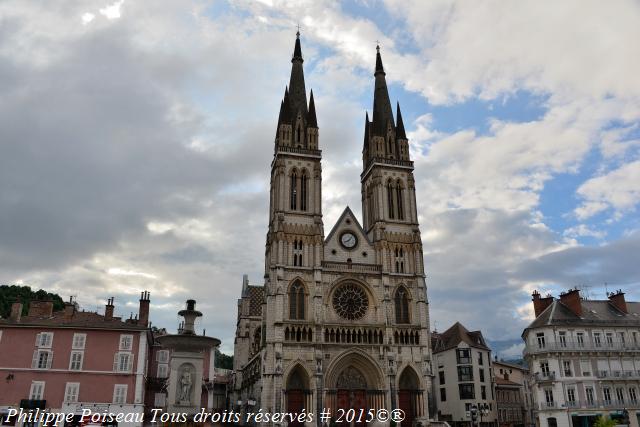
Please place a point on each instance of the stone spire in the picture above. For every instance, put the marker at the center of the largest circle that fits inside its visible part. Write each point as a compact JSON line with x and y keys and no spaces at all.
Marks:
{"x":297,"y":92}
{"x":312,"y":121}
{"x":382,"y":113}
{"x":400,"y":133}
{"x":365,"y":148}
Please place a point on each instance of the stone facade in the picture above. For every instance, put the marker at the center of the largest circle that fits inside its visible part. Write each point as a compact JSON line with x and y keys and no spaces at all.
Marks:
{"x":584,"y":356}
{"x":463,"y":377}
{"x":342,"y":321}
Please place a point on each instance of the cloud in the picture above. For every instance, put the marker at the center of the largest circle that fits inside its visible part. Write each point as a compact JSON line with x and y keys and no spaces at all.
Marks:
{"x":618,"y":190}
{"x":136,"y":150}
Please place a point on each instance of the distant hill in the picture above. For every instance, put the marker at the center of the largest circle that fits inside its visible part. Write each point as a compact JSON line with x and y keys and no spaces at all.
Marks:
{"x":24,"y":294}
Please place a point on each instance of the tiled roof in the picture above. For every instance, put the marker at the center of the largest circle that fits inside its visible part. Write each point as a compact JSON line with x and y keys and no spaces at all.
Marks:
{"x":454,"y":336}
{"x":256,"y":299}
{"x":80,"y":319}
{"x":594,"y":312}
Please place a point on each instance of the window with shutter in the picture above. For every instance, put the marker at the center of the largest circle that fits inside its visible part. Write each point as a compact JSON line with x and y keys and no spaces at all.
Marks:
{"x":120,"y":393}
{"x":162,"y":356}
{"x":163,"y":370}
{"x":75,"y":362}
{"x":126,"y":342}
{"x":122,"y":362}
{"x":44,"y":339}
{"x":71,"y":392}
{"x":37,"y":390}
{"x":42,"y":359}
{"x":79,"y":341}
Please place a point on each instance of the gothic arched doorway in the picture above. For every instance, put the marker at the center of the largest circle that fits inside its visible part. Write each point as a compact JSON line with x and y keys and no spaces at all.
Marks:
{"x":354,"y":383}
{"x":409,"y":396}
{"x":298,"y":393}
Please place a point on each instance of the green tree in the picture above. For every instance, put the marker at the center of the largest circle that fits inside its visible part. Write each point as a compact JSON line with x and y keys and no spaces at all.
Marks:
{"x":604,"y":422}
{"x":223,"y":361}
{"x":24,"y":294}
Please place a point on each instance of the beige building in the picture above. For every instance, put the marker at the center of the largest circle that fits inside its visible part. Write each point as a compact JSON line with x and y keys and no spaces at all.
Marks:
{"x":462,"y":369}
{"x":513,"y":395}
{"x":342,"y":320}
{"x":584,"y":356}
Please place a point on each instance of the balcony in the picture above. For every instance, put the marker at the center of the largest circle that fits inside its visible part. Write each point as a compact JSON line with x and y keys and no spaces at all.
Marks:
{"x":592,"y":404}
{"x":579,"y":346}
{"x":545,"y":376}
{"x":618,"y":375}
{"x":549,"y":405}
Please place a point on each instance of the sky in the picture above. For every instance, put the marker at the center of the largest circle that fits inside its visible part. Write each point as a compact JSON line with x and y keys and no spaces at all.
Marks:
{"x":136,"y":141}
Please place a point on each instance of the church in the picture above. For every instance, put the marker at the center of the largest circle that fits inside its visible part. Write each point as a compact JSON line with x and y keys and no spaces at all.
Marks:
{"x":342,"y":320}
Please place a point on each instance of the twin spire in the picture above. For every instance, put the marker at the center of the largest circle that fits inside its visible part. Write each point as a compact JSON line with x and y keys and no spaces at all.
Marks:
{"x":296,"y":113}
{"x":390,"y":135}
{"x":294,"y":103}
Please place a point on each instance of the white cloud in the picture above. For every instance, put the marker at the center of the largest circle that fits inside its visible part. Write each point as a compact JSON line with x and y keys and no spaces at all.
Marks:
{"x":583,"y":230}
{"x":112,"y":11}
{"x":87,"y":18}
{"x":618,"y":190}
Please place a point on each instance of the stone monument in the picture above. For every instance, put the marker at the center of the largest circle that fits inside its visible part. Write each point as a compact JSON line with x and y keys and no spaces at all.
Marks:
{"x":186,"y":364}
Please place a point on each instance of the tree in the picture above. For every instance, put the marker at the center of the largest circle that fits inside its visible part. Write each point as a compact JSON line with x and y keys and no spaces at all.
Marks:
{"x":223,"y":361}
{"x":604,"y":422}
{"x":24,"y":294}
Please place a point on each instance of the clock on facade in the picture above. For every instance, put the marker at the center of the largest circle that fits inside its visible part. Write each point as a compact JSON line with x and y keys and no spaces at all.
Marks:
{"x":348,"y":240}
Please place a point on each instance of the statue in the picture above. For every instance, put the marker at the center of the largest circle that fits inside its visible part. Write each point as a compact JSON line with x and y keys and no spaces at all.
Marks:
{"x":185,"y":386}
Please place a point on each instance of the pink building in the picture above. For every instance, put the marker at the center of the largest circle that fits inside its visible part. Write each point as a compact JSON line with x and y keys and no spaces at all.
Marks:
{"x":71,"y":360}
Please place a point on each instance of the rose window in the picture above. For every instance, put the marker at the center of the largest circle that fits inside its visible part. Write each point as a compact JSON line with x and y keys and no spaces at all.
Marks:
{"x":350,"y":301}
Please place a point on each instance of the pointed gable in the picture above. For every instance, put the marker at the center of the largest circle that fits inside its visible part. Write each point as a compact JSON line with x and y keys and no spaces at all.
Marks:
{"x":362,"y":253}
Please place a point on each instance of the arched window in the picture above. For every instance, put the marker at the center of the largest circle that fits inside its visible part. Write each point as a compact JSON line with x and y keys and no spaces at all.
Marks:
{"x":294,"y":190}
{"x":390,"y":199}
{"x":399,"y":254}
{"x":297,"y":253}
{"x":296,"y":301}
{"x":304,"y":190}
{"x":399,"y":201}
{"x":402,"y":305}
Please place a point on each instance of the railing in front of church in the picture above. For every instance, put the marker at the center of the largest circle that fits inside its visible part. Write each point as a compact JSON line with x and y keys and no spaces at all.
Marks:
{"x":351,"y":267}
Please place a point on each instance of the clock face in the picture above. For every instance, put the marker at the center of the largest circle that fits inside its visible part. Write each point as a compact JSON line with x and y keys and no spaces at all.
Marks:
{"x":348,"y":240}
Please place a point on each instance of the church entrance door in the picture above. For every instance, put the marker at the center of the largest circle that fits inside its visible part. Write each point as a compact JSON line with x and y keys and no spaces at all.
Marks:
{"x":352,"y":398}
{"x":295,"y":405}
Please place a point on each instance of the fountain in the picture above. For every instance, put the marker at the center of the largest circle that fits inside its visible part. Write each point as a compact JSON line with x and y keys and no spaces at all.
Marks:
{"x":186,"y":364}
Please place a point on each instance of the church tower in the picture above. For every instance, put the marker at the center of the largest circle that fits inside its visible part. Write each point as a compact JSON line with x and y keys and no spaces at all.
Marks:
{"x":341,"y":322}
{"x":295,"y":233}
{"x":389,"y":210}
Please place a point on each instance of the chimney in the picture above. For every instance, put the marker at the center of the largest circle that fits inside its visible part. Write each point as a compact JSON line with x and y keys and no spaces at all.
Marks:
{"x":540,"y":304}
{"x":16,"y":311}
{"x":143,"y":312}
{"x":108,"y":309}
{"x":69,"y":308}
{"x":571,"y":299}
{"x":41,"y":308}
{"x":617,"y":299}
